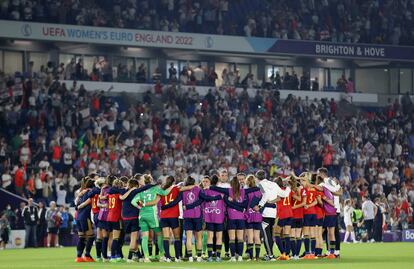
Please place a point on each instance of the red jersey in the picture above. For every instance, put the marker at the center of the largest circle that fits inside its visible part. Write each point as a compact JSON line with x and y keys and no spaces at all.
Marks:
{"x":298,"y":212}
{"x":95,"y":208}
{"x":115,"y":208}
{"x":310,"y":196}
{"x":284,"y":207}
{"x":172,"y":212}
{"x":320,"y":214}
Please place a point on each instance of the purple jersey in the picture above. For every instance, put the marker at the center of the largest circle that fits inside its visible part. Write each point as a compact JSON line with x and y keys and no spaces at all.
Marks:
{"x":190,"y":197}
{"x":233,"y":213}
{"x":103,"y":211}
{"x":251,"y":215}
{"x":213,"y":211}
{"x":329,"y":209}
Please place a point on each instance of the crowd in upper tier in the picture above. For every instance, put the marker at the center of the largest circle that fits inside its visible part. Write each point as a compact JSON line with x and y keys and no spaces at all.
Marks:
{"x":351,"y":21}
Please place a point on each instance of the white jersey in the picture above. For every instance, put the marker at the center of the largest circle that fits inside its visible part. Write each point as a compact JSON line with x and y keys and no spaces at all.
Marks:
{"x":225,"y":185}
{"x":348,"y":211}
{"x":270,"y":192}
{"x":332,"y":186}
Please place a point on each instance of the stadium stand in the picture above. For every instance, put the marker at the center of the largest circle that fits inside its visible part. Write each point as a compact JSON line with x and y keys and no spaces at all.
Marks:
{"x":350,"y":21}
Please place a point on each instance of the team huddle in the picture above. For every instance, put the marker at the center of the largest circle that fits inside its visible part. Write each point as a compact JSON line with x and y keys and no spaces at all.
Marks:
{"x":238,"y":215}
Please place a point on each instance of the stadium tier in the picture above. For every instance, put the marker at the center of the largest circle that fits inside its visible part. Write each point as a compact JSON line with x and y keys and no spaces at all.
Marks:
{"x":206,"y":130}
{"x":382,"y":22}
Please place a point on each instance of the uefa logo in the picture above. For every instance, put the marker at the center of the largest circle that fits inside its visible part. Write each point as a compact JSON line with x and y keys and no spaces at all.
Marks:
{"x":26,"y":30}
{"x":209,"y":42}
{"x":191,"y":196}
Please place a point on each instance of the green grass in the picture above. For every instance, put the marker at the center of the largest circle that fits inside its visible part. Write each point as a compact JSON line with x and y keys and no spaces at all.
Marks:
{"x":363,"y":256}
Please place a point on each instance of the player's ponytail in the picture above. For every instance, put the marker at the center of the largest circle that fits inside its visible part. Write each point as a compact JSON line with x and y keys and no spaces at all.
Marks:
{"x":147,"y":179}
{"x":251,"y":181}
{"x":110,"y":179}
{"x":189,"y":181}
{"x":214,"y":180}
{"x":235,"y":186}
{"x":169,"y":181}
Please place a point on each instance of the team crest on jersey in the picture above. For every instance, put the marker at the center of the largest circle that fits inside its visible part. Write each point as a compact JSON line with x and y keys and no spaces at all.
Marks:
{"x":191,"y":197}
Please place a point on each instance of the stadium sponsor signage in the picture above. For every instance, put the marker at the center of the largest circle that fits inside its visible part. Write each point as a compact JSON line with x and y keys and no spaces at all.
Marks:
{"x":336,"y":50}
{"x":237,"y":44}
{"x":123,"y":37}
{"x":408,"y":235}
{"x":346,"y":50}
{"x":16,"y":239}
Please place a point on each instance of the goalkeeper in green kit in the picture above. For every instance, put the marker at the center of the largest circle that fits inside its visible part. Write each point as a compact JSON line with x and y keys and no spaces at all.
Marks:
{"x":148,"y":215}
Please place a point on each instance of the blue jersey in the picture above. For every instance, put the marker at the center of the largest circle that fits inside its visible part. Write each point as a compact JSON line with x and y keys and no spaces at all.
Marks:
{"x":129,"y":211}
{"x":85,"y":212}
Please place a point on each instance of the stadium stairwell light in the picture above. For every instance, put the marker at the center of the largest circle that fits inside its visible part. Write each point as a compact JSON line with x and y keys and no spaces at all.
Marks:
{"x":134,"y":49}
{"x":22,"y":42}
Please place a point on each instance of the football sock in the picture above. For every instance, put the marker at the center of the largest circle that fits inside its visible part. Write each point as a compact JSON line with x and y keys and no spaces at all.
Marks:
{"x":332,"y":247}
{"x":81,"y":246}
{"x":298,"y":246}
{"x":258,"y":247}
{"x":306,"y":242}
{"x":189,"y":253}
{"x":145,"y":246}
{"x":130,"y":254}
{"x":313,"y":245}
{"x":177,"y":248}
{"x":278,"y":241}
{"x":114,"y":248}
{"x":121,"y":244}
{"x":105,"y":247}
{"x":293,"y":246}
{"x":218,"y":250}
{"x":88,"y":247}
{"x":249,"y":250}
{"x":210,"y":250}
{"x":149,"y":248}
{"x":98,"y":247}
{"x":232,"y":246}
{"x":318,"y":251}
{"x":286,"y":239}
{"x":240,"y":247}
{"x":204,"y":242}
{"x":199,"y":252}
{"x":160,"y":246}
{"x":166,"y":244}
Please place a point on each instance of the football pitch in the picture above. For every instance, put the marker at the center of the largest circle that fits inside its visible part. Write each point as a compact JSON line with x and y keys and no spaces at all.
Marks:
{"x":378,"y":256}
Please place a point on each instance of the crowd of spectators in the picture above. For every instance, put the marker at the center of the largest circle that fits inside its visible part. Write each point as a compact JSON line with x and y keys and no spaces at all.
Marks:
{"x":45,"y":227}
{"x":372,"y":21}
{"x":53,"y":134}
{"x":192,"y":75}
